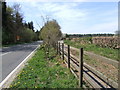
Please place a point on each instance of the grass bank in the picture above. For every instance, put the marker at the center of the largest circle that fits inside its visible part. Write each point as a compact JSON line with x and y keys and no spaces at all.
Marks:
{"x":42,"y":73}
{"x":107,"y":52}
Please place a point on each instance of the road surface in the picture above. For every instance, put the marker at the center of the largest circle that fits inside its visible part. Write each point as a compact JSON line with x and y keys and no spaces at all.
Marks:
{"x":13,"y":56}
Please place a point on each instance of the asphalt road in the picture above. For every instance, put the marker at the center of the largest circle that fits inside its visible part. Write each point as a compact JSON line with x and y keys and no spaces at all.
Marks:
{"x":13,"y":56}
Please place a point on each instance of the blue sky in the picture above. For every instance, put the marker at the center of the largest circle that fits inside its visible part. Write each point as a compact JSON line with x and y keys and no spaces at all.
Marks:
{"x":74,"y":17}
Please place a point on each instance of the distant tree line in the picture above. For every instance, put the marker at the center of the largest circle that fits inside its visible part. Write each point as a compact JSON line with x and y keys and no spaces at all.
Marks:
{"x":14,"y":28}
{"x":86,"y":35}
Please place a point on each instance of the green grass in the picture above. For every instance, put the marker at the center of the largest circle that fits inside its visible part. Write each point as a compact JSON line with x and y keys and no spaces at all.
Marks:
{"x":90,"y":61}
{"x":42,"y":73}
{"x":107,"y":52}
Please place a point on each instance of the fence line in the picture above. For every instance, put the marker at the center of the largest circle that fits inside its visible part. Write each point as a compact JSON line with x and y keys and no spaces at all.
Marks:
{"x":101,"y":58}
{"x":83,"y":71}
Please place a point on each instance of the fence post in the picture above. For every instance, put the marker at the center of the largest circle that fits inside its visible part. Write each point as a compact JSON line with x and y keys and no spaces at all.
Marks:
{"x":63,"y":51}
{"x":68,"y":56}
{"x":59,"y":49}
{"x":81,"y":67}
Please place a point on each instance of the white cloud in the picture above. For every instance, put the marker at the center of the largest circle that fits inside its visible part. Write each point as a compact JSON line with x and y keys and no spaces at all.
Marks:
{"x":66,"y":11}
{"x":72,"y":18}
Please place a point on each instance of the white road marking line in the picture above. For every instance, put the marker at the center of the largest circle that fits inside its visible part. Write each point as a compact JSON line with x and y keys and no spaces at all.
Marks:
{"x":5,"y":53}
{"x":3,"y":82}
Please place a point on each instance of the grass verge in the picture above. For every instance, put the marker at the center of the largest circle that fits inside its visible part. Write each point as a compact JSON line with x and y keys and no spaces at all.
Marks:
{"x":107,"y":52}
{"x":42,"y":73}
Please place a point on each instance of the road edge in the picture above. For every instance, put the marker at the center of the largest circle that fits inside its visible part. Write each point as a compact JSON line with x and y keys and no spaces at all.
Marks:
{"x":8,"y":80}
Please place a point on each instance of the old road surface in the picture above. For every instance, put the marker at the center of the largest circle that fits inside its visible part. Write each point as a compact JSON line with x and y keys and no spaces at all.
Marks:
{"x":14,"y":55}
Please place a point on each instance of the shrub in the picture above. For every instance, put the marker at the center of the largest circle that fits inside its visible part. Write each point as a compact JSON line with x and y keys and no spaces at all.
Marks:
{"x":27,"y":35}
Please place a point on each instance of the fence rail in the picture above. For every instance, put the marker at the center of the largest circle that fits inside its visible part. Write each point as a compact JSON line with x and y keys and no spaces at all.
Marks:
{"x":101,"y":58}
{"x":82,"y":70}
